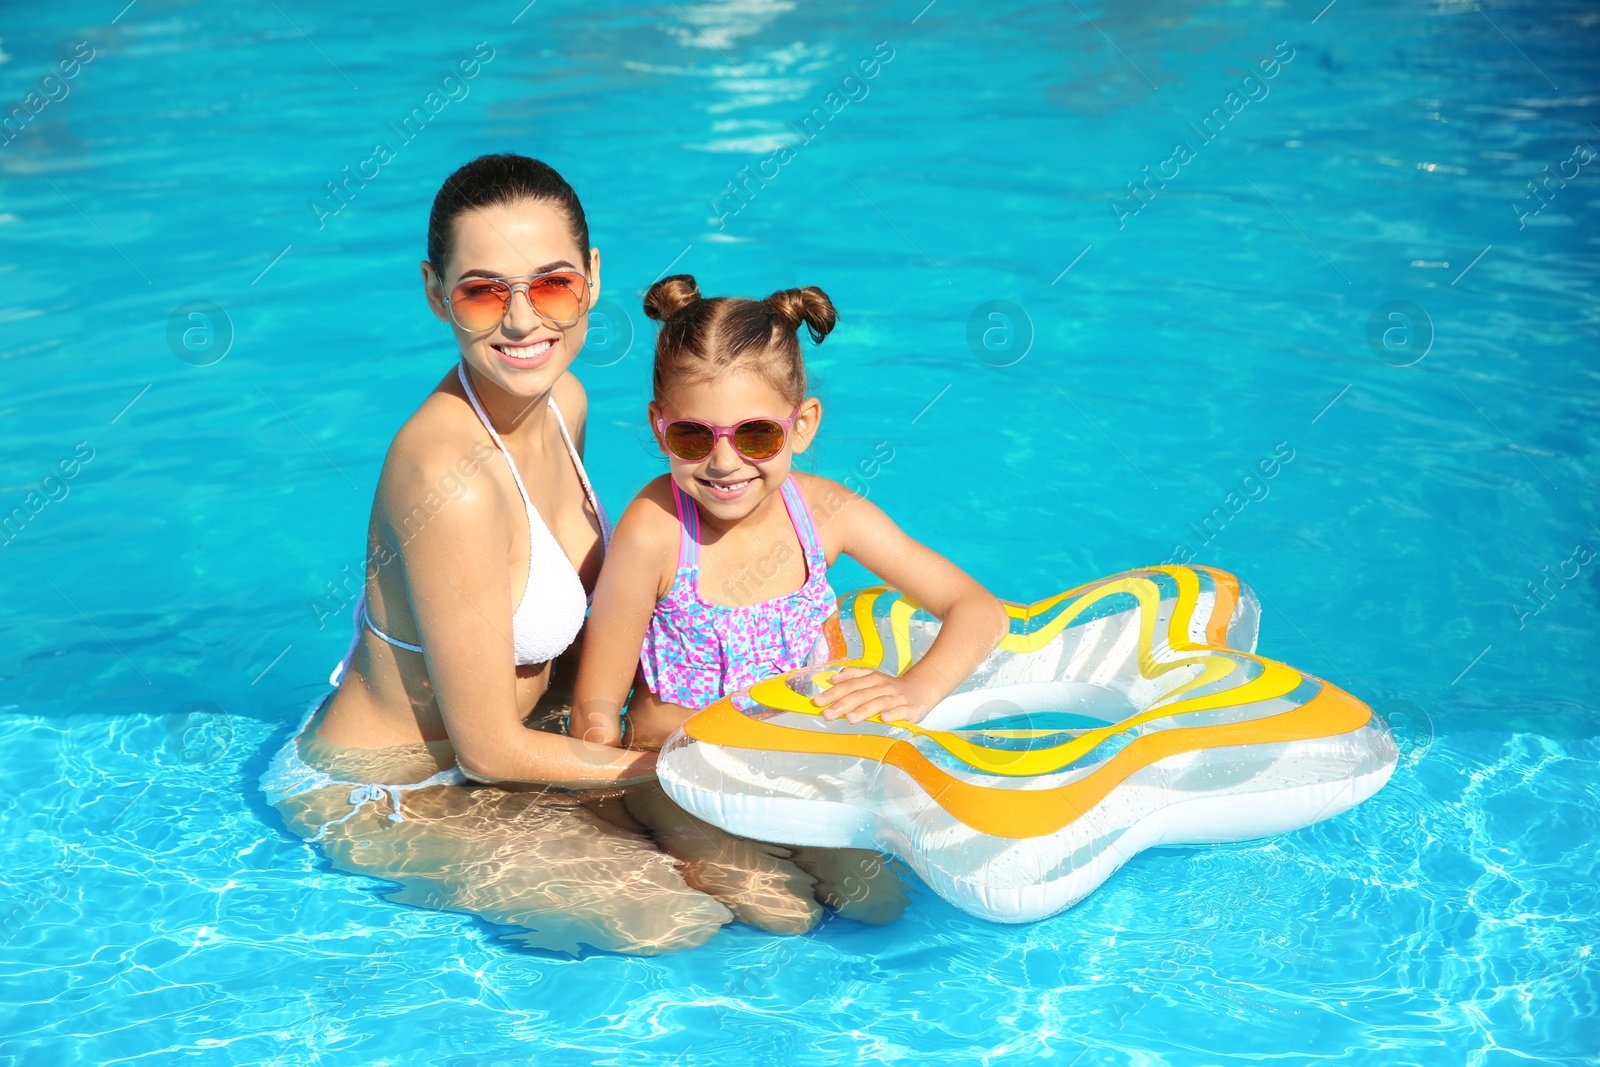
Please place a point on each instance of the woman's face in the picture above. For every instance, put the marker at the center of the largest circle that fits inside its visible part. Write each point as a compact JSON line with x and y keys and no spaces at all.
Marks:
{"x":523,"y":354}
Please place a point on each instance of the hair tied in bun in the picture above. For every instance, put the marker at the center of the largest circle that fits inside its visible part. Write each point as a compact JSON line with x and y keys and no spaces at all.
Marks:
{"x":809,"y":305}
{"x":670,"y":295}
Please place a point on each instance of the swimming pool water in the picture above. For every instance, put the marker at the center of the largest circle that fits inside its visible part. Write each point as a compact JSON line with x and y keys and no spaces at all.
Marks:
{"x":1424,"y":539}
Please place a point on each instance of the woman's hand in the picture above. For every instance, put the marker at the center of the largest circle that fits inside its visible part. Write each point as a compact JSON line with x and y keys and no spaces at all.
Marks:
{"x":858,"y":693}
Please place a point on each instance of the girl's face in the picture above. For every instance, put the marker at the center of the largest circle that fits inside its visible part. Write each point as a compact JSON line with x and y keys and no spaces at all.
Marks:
{"x":524,"y":354}
{"x":725,"y":483}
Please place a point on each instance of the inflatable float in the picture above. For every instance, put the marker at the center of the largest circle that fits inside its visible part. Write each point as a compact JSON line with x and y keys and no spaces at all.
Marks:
{"x":1125,"y":713}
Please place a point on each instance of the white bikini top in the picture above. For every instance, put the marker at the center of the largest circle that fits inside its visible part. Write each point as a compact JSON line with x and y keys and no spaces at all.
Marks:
{"x":554,"y":606}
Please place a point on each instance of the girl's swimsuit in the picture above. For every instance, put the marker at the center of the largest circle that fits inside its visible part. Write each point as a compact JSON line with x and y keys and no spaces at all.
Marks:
{"x":544,"y":624}
{"x":696,"y":653}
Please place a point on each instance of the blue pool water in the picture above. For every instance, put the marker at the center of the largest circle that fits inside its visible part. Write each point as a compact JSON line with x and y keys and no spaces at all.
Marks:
{"x":173,"y":604}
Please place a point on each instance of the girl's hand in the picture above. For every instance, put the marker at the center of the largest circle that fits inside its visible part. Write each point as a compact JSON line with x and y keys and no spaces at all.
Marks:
{"x":858,"y":693}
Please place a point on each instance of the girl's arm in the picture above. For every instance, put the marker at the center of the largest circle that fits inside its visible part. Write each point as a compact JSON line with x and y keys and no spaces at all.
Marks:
{"x":642,"y":557}
{"x":460,"y":594}
{"x":974,"y":621}
{"x":651,"y":720}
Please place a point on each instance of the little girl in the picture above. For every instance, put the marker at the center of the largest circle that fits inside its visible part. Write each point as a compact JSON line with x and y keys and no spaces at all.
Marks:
{"x":716,"y":577}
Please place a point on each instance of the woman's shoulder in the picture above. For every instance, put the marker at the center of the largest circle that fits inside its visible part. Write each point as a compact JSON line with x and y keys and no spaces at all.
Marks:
{"x":439,"y":450}
{"x":573,"y":401}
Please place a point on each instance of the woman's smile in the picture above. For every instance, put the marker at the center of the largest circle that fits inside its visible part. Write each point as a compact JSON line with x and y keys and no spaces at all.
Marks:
{"x":525,"y":355}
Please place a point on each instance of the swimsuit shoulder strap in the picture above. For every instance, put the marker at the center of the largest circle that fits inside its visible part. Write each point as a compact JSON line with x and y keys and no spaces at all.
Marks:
{"x":483,"y":417}
{"x":688,"y":529}
{"x":800,"y":516}
{"x":583,"y":475}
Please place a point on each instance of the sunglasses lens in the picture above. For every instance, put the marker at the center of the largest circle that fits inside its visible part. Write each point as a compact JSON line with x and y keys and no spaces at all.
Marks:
{"x":689,"y":440}
{"x":477,"y":305}
{"x":560,"y":297}
{"x":759,"y":439}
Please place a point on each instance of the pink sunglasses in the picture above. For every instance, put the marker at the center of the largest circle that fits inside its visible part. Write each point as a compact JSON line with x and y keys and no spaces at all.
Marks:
{"x":757,"y":440}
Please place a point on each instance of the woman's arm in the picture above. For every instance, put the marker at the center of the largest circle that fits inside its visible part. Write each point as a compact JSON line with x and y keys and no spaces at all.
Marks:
{"x":974,"y":621}
{"x":460,"y":593}
{"x":639,"y":567}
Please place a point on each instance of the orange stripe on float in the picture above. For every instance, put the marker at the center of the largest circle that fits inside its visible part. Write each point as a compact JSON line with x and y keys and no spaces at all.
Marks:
{"x":1017,"y":813}
{"x":1227,"y":587}
{"x":837,"y":649}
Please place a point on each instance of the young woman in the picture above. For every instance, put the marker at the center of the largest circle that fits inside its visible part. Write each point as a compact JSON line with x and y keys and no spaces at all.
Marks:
{"x":484,"y":541}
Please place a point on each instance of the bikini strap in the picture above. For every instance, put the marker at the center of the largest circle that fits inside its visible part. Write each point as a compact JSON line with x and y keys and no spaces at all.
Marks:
{"x":364,"y":618}
{"x":349,"y":653}
{"x":688,"y":529}
{"x":583,"y":475}
{"x":461,"y":372}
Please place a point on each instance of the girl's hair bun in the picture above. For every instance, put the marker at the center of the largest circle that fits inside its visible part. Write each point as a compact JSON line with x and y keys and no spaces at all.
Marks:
{"x":809,"y":305}
{"x":670,"y":295}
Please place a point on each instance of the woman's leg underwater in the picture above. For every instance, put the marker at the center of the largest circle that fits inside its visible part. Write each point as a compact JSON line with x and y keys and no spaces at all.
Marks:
{"x":566,"y":876}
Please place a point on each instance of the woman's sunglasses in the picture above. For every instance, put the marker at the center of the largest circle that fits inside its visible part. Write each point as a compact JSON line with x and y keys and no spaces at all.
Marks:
{"x":479,"y":304}
{"x":757,"y":440}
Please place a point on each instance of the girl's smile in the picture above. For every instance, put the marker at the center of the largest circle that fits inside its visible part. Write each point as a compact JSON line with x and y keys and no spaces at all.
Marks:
{"x":727,"y":489}
{"x":729,"y":486}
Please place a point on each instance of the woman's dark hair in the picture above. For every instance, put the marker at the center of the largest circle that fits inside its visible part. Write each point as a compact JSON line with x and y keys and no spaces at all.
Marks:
{"x":702,"y":337}
{"x":489,"y":181}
